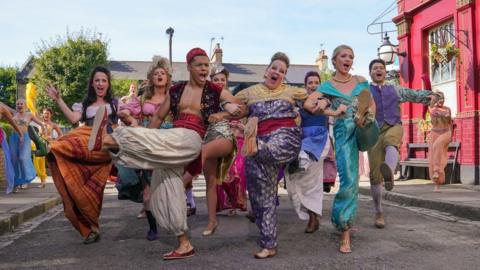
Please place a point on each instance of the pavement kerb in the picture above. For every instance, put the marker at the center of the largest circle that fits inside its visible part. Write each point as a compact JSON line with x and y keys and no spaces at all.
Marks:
{"x":458,"y":210}
{"x":17,"y":216}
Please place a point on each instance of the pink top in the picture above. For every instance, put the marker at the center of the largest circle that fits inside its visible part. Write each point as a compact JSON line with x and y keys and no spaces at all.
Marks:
{"x":133,"y":105}
{"x":91,"y":110}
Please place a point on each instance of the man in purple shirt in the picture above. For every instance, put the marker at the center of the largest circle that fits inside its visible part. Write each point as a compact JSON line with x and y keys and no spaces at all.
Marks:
{"x":383,"y":157}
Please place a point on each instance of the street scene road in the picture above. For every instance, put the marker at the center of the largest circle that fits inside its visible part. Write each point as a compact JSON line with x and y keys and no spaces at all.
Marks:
{"x":414,"y":238}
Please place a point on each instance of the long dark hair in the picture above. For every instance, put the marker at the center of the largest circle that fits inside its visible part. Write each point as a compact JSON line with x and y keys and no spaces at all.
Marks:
{"x":92,"y":96}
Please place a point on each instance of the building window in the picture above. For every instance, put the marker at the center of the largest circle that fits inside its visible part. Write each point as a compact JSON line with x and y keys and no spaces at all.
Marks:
{"x":440,"y":36}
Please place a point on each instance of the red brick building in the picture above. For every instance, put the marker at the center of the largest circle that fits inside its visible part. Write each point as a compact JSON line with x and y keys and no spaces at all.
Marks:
{"x":427,"y":24}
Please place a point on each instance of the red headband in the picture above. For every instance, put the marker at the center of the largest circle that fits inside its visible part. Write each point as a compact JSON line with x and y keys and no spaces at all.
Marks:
{"x":195,"y":52}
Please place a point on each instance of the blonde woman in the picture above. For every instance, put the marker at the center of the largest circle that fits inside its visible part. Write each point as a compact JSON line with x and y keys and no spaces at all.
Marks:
{"x":440,"y":137}
{"x":354,"y":130}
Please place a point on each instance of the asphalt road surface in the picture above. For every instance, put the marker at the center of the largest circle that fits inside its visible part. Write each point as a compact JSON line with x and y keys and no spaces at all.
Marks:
{"x":413,"y":239}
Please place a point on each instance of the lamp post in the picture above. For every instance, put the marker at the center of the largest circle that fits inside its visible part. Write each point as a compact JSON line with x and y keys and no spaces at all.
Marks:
{"x":169,"y":32}
{"x":387,"y":51}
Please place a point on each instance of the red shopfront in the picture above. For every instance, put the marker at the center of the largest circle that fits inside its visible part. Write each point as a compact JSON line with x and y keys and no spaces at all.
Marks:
{"x":422,"y":24}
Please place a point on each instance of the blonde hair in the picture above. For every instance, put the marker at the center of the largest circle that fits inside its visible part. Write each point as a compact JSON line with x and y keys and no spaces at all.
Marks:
{"x":157,"y":62}
{"x":338,"y":49}
{"x":281,"y":57}
{"x":439,"y":94}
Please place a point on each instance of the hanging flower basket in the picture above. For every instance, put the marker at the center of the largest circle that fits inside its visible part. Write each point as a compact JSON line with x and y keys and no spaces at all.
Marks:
{"x":443,"y":53}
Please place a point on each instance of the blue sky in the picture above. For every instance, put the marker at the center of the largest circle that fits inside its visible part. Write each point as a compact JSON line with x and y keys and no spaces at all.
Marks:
{"x":252,"y":29}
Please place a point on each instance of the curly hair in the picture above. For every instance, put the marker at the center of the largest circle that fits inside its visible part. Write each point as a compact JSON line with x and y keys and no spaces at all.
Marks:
{"x":219,"y":69}
{"x":281,"y":57}
{"x":158,"y":62}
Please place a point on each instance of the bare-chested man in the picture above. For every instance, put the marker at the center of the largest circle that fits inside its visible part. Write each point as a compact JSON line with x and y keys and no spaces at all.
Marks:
{"x":168,"y":151}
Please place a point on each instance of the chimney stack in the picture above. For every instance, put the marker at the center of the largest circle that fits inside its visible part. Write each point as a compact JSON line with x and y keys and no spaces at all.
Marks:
{"x":217,"y":55}
{"x":322,"y":61}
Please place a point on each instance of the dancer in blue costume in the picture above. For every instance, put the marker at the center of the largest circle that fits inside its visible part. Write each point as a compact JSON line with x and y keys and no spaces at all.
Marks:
{"x":305,"y":178}
{"x":354,"y":130}
{"x":20,"y":147}
{"x":8,"y":173}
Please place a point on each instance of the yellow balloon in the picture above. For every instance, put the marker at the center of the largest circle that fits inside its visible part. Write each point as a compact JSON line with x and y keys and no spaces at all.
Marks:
{"x":31,"y":96}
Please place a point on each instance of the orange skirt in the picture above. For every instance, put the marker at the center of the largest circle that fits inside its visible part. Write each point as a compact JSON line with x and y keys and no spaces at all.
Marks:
{"x":80,"y":177}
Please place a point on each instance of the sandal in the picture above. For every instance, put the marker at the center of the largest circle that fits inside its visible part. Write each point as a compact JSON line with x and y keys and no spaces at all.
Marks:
{"x":174,"y":255}
{"x":345,"y":247}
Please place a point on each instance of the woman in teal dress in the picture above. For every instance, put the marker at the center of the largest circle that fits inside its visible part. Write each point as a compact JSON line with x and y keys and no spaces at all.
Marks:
{"x":354,"y":130}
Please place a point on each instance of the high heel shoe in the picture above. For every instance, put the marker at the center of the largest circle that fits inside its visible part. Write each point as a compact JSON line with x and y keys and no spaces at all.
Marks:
{"x":210,"y":231}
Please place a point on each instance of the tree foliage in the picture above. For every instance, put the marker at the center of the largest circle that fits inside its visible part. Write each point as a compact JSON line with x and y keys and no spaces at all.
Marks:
{"x":326,"y":75}
{"x":8,"y":85}
{"x":120,"y":87}
{"x":67,"y":63}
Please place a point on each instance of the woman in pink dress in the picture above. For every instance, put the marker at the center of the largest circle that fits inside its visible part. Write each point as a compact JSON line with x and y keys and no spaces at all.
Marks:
{"x":440,"y":137}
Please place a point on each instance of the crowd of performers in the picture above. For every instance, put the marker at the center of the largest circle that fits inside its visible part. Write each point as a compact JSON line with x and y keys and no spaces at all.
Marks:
{"x":242,"y":141}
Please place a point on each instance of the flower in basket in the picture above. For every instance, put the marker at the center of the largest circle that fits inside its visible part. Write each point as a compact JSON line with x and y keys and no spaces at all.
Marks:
{"x":443,"y":53}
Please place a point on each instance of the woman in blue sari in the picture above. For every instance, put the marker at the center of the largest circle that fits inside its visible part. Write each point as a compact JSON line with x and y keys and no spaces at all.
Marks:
{"x":354,"y":130}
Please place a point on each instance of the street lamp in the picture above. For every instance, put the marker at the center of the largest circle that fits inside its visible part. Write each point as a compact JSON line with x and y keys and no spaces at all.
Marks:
{"x":387,"y":51}
{"x":169,"y":32}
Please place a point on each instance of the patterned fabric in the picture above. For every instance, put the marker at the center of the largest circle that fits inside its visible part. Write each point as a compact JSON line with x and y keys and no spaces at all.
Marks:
{"x":22,"y":159}
{"x":260,"y":93}
{"x":262,"y":170}
{"x":232,"y":192}
{"x":218,"y":130}
{"x":349,"y":139}
{"x":275,"y":149}
{"x":80,"y":177}
{"x":210,"y":102}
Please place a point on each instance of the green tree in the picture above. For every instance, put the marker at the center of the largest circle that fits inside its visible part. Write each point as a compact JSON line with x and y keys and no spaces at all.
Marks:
{"x":120,"y":87}
{"x":67,"y":63}
{"x":8,"y":85}
{"x":326,"y":75}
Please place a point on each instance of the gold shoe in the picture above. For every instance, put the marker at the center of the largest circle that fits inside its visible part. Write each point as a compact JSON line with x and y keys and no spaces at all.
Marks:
{"x":380,"y":221}
{"x":345,"y":247}
{"x":210,"y":231}
{"x":265,"y":253}
{"x":363,"y":100}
